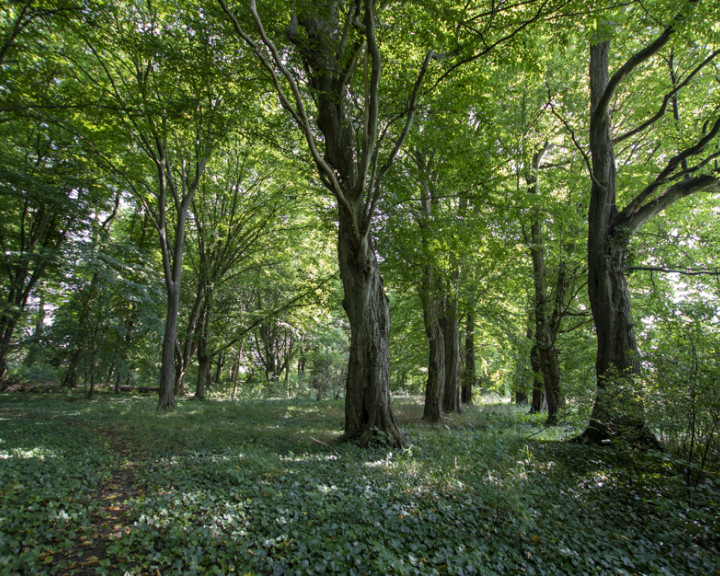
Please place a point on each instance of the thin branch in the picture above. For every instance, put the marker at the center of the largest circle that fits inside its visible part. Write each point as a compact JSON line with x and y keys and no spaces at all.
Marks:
{"x":574,"y":139}
{"x":299,"y":114}
{"x":666,"y":270}
{"x":636,"y":204}
{"x":666,"y":100}
{"x":411,"y":108}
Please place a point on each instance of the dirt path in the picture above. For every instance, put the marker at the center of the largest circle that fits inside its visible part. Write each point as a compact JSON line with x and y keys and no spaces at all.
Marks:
{"x":112,"y":517}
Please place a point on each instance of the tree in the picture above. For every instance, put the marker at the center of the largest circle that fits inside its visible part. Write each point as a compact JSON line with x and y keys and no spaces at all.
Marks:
{"x":618,"y":410}
{"x":328,"y":79}
{"x":47,"y":189}
{"x":166,"y":74}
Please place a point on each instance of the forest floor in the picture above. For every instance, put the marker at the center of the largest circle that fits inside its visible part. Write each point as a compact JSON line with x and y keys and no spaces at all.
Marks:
{"x":266,"y":487}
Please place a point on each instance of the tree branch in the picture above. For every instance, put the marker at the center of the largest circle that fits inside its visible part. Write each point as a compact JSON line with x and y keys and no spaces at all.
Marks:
{"x":704,"y":183}
{"x":683,"y":272}
{"x":666,"y":100}
{"x":411,"y":108}
{"x":299,"y":113}
{"x":636,"y":204}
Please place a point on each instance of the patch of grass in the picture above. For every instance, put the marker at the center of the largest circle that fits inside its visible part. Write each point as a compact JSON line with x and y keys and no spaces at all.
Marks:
{"x":266,"y":487}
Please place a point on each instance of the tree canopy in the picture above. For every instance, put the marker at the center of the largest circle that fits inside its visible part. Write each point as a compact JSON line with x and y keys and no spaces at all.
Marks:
{"x":360,"y":197}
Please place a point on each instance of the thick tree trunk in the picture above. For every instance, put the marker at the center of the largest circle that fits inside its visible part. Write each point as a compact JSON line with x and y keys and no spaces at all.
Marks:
{"x":618,"y":409}
{"x":468,"y":373}
{"x":204,"y":365}
{"x":167,"y":367}
{"x":367,"y":390}
{"x":537,"y":403}
{"x":451,"y":331}
{"x":435,"y":386}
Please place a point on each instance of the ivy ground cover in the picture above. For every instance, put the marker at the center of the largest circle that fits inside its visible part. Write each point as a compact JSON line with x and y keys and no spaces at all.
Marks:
{"x":267,"y":487}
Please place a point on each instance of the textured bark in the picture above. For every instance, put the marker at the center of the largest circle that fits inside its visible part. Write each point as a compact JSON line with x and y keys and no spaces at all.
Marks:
{"x":537,"y":403}
{"x":204,"y":364}
{"x":451,"y":332}
{"x":189,"y":345}
{"x":617,"y":410}
{"x":544,"y":354}
{"x":435,"y":386}
{"x":203,"y":352}
{"x":367,"y":388}
{"x":167,"y":367}
{"x":339,"y":39}
{"x":468,"y":374}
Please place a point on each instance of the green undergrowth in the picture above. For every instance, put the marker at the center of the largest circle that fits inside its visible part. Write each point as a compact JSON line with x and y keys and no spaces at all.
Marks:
{"x":267,"y":487}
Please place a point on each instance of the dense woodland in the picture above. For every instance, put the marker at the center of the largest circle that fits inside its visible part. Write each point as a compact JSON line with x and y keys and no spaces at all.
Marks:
{"x":361,"y":202}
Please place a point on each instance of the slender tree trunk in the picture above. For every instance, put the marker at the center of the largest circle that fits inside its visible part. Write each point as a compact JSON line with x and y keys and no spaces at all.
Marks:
{"x":35,"y":346}
{"x":204,"y":365}
{"x":7,"y":328}
{"x":218,"y":368}
{"x":544,"y":354}
{"x":367,"y":391}
{"x":203,"y":347}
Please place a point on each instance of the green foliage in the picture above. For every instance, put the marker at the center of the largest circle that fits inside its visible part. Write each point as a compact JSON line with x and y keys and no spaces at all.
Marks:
{"x":684,"y":400}
{"x":264,"y":487}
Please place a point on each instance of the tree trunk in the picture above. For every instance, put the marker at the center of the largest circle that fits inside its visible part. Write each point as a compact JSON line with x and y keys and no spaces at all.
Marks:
{"x":218,"y":368}
{"x":435,"y":385}
{"x":537,"y":404}
{"x":468,"y":373}
{"x":167,"y":367}
{"x":203,"y":348}
{"x":544,"y":354}
{"x":36,"y":346}
{"x":7,"y":328}
{"x":618,"y":409}
{"x":451,"y":332}
{"x":204,"y":365}
{"x":367,"y":390}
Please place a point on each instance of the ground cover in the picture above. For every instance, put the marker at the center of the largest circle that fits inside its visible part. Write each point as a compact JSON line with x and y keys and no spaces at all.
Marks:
{"x":266,"y":487}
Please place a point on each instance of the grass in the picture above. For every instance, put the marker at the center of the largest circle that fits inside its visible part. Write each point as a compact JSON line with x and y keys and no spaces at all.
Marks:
{"x":266,"y":487}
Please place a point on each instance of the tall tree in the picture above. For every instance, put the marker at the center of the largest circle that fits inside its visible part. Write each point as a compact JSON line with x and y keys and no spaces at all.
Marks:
{"x":47,"y":190}
{"x":165,"y":73}
{"x":328,"y":78}
{"x":618,"y":408}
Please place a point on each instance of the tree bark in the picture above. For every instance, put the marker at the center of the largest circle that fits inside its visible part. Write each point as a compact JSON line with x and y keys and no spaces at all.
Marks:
{"x":367,"y":388}
{"x":618,"y":408}
{"x":451,"y":332}
{"x":544,"y":354}
{"x":537,"y":402}
{"x":203,"y":351}
{"x":435,"y":385}
{"x":468,"y":376}
{"x":167,"y":367}
{"x":339,"y":39}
